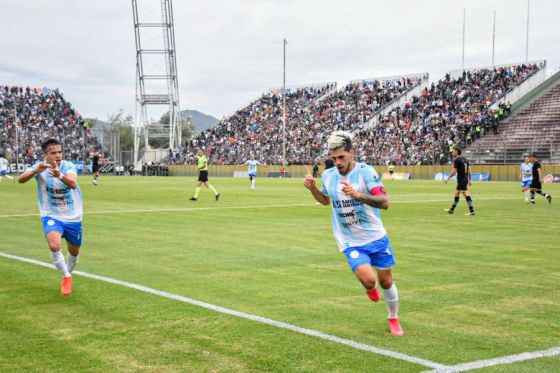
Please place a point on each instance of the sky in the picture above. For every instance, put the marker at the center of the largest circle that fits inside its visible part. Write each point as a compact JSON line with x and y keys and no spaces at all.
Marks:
{"x":230,"y":51}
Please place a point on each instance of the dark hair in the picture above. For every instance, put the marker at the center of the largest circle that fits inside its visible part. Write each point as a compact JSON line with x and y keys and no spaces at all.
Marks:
{"x":48,"y":142}
{"x":534,"y":155}
{"x":458,"y":150}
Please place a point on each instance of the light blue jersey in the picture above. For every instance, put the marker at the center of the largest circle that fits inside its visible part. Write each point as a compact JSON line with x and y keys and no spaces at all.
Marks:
{"x":253,"y":166}
{"x":56,"y":199}
{"x":526,"y":171}
{"x":354,"y":223}
{"x":3,"y":165}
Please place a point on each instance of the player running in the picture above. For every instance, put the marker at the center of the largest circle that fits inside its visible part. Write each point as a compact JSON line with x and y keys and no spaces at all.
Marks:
{"x":526,"y":177}
{"x":462,"y":169}
{"x":355,"y":194}
{"x":95,"y":168}
{"x":252,"y":173}
{"x":4,"y":169}
{"x":60,"y":204}
{"x":203,"y":177}
{"x":536,"y":184}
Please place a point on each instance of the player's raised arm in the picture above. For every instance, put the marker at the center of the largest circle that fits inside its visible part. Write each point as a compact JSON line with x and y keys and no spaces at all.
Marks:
{"x":31,"y":172}
{"x":70,"y":178}
{"x":309,"y":183}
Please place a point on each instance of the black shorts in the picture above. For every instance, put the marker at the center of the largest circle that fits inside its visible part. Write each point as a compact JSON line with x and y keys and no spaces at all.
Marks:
{"x":94,"y":168}
{"x":535,"y":185}
{"x":462,"y":185}
{"x":203,"y":176}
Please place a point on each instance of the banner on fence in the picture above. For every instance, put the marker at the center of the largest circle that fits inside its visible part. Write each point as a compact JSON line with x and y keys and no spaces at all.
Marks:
{"x":476,"y":176}
{"x":552,"y":178}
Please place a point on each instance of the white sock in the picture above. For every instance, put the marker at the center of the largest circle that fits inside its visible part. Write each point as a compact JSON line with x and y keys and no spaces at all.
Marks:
{"x":527,"y":194}
{"x":72,"y":261}
{"x":253,"y":184}
{"x":9,"y":177}
{"x":58,"y":261}
{"x":391,"y":297}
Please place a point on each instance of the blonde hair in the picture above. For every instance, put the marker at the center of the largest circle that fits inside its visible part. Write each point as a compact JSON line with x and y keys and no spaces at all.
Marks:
{"x":340,"y":139}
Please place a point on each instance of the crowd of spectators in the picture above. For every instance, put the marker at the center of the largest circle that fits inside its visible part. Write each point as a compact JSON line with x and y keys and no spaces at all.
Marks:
{"x":423,"y":130}
{"x":41,"y":113}
{"x":447,"y":114}
{"x":312,"y":113}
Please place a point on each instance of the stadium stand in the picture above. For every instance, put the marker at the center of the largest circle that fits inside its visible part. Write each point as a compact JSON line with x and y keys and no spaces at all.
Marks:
{"x":257,"y":127}
{"x":450,"y":113}
{"x":533,"y":127}
{"x":309,"y":121}
{"x":41,"y":113}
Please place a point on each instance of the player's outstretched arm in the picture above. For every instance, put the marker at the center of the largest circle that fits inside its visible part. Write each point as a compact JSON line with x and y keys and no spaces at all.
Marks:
{"x":27,"y":175}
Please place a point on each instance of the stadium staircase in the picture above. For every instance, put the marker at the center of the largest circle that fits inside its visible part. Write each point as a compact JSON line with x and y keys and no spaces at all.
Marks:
{"x":533,"y":127}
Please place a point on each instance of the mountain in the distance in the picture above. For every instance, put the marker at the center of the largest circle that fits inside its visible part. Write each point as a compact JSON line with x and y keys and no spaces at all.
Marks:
{"x":201,"y":121}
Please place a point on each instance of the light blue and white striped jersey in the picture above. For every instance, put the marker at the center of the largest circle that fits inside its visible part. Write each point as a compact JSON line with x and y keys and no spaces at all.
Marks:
{"x":253,"y":166}
{"x":526,"y":171}
{"x":3,"y":164}
{"x":56,"y":199}
{"x":354,"y":222}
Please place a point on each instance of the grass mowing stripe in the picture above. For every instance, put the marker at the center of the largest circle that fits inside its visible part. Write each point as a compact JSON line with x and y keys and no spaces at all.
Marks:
{"x":173,"y":210}
{"x":243,"y":207}
{"x":264,"y":320}
{"x":554,"y":351}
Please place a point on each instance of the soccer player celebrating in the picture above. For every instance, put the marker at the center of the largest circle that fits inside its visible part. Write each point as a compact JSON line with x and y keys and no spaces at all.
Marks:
{"x":355,"y":194}
{"x":462,"y":169}
{"x":4,"y":169}
{"x":526,"y":177}
{"x":536,"y":184}
{"x":60,"y":204}
{"x":252,"y":163}
{"x":203,"y":177}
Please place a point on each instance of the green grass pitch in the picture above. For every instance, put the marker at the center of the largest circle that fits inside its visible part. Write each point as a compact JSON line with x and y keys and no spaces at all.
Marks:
{"x":471,"y":288}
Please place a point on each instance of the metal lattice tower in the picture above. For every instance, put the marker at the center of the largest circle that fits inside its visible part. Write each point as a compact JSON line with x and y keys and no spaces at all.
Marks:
{"x":156,"y":75}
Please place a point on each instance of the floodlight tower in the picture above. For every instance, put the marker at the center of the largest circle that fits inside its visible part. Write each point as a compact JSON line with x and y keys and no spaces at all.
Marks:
{"x":156,"y":74}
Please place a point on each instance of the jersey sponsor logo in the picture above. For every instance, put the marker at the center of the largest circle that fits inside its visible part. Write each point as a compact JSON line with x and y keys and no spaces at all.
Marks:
{"x":354,"y":254}
{"x":345,"y":203}
{"x":50,"y":223}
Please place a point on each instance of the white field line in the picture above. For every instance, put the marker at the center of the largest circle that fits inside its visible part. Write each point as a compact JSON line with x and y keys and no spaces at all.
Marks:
{"x":554,"y":351}
{"x":248,"y":316}
{"x":247,"y":207}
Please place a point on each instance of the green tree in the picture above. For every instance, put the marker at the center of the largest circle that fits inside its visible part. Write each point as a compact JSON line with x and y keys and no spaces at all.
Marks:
{"x":122,"y":123}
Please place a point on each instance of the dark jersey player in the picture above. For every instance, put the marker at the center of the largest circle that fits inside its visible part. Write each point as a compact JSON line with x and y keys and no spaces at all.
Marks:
{"x":95,"y":168}
{"x":536,"y":183}
{"x":461,"y":168}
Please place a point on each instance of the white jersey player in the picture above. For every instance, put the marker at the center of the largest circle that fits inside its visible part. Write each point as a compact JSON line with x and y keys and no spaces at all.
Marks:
{"x":356,"y":194}
{"x":252,"y":171}
{"x":4,"y":169}
{"x":60,"y":204}
{"x":526,"y":177}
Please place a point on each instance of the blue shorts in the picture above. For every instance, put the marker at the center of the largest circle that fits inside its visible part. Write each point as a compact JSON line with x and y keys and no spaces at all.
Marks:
{"x":526,"y":183}
{"x":71,"y":232}
{"x":252,"y":175}
{"x":3,"y":172}
{"x":378,"y":254}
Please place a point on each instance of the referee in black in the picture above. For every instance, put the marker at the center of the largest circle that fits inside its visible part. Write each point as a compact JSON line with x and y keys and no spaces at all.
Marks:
{"x":536,"y":184}
{"x":462,"y":169}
